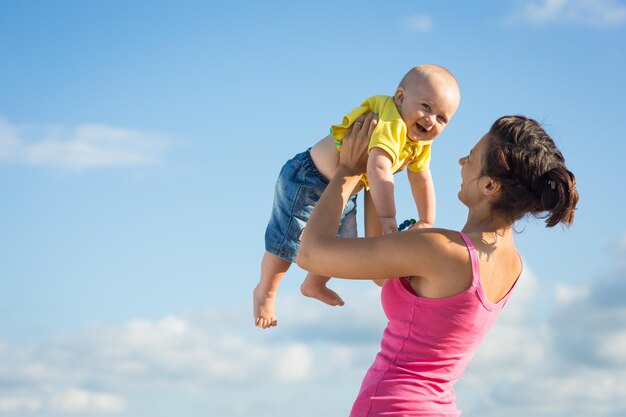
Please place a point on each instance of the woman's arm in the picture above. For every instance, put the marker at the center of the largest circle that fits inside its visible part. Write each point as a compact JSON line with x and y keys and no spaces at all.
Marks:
{"x":373,"y":227}
{"x":416,"y":253}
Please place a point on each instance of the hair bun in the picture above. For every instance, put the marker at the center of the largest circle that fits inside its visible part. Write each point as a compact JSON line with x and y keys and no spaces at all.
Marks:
{"x":549,"y":189}
{"x":558,"y":195}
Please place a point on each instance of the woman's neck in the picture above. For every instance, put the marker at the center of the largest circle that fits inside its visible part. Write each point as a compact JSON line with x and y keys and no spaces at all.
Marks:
{"x":488,"y":226}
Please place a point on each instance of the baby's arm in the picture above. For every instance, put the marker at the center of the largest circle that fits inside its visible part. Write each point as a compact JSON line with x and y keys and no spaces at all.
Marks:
{"x":381,"y":184}
{"x":423,"y":191}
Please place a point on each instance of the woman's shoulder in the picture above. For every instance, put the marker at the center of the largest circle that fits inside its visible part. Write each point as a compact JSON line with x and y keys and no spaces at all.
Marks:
{"x":445,"y":242}
{"x":446,"y":268}
{"x":439,"y":235}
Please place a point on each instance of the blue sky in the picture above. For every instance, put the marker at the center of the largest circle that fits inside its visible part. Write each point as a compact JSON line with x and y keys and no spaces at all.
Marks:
{"x":139,"y":146}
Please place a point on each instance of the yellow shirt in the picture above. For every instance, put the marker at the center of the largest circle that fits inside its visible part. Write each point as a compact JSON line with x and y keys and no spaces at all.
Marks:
{"x":389,"y":135}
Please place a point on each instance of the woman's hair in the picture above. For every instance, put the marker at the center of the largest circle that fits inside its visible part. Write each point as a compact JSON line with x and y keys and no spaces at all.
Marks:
{"x":523,"y":158}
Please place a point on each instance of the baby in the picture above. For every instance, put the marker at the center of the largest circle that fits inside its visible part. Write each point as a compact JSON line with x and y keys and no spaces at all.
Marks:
{"x":423,"y":104}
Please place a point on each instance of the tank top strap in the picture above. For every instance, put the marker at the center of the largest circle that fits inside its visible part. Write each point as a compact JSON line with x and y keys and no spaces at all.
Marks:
{"x":474,"y":259}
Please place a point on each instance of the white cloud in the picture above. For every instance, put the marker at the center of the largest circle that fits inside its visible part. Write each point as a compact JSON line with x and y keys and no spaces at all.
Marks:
{"x":419,"y":23}
{"x":296,"y":363}
{"x":569,"y":363}
{"x":12,"y":404}
{"x":211,"y":356}
{"x":590,"y":330}
{"x":59,"y":399}
{"x":620,"y":251}
{"x":596,"y":13}
{"x":578,"y":393}
{"x":85,"y":147}
{"x":614,"y":348}
{"x":529,"y":364}
{"x":10,"y":142}
{"x":75,"y":400}
{"x":514,"y":335}
{"x":566,"y":294}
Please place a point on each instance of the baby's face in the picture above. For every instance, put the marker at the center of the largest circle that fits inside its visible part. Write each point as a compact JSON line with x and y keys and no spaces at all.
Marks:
{"x":427,"y":106}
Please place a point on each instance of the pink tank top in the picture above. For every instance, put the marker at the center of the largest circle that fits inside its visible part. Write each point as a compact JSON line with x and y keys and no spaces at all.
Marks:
{"x":426,"y":345}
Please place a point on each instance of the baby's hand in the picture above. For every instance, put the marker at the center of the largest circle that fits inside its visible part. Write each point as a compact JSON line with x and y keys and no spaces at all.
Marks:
{"x":389,"y":225}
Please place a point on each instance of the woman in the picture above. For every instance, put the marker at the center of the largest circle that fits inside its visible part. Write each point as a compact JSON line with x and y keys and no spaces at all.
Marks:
{"x":454,"y":283}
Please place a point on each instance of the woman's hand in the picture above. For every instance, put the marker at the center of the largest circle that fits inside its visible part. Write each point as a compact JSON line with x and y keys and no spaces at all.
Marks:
{"x":420,"y":225}
{"x":353,"y":154}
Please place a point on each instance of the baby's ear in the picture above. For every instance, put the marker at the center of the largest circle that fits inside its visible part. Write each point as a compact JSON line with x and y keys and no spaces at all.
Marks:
{"x":399,"y":96}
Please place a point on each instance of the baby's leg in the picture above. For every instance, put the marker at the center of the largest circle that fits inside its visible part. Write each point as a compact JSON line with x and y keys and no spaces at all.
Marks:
{"x":314,"y":286}
{"x":273,"y":270}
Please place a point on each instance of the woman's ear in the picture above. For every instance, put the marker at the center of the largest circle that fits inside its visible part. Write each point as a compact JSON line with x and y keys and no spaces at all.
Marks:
{"x":490,"y":186}
{"x":398,"y":97}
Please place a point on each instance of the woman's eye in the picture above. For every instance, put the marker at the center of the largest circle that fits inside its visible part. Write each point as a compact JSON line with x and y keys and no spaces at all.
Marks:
{"x":426,"y":106}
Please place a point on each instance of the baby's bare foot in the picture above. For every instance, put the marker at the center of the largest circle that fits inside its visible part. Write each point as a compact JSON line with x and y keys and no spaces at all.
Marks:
{"x":322,"y":293}
{"x":263,"y":308}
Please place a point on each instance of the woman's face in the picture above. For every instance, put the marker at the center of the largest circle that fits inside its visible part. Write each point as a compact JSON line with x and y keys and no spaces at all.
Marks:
{"x":471,"y":170}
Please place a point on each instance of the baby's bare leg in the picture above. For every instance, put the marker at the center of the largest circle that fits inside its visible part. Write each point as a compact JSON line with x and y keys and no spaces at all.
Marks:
{"x":314,"y":286}
{"x":273,"y":270}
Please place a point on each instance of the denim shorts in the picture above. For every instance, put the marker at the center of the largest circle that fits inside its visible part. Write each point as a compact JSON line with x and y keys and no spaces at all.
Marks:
{"x":298,"y":189}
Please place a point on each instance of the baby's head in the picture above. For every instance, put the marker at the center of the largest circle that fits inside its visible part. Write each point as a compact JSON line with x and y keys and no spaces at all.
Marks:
{"x":427,"y":98}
